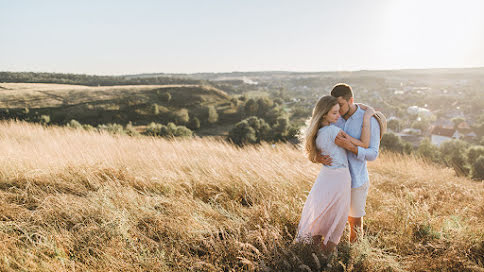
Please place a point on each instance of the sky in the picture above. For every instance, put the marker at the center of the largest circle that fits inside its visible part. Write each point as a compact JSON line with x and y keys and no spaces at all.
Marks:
{"x":181,"y":36}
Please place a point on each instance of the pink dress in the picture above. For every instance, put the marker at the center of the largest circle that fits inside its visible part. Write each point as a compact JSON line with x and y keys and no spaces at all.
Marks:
{"x":326,"y":209}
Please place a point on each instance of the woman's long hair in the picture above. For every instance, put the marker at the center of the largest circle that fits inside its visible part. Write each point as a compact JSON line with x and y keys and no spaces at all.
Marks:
{"x":324,"y":105}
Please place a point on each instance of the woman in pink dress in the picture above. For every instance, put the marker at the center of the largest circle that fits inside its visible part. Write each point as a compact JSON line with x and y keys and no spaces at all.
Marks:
{"x":326,"y":209}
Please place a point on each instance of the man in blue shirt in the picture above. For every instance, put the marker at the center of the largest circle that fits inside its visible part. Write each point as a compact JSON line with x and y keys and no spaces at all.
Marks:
{"x":351,"y":122}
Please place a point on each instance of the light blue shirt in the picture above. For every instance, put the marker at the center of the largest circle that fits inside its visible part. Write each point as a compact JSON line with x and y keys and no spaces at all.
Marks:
{"x":357,"y":163}
{"x":325,"y":142}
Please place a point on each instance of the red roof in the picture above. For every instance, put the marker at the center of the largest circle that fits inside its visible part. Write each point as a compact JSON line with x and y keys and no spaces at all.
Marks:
{"x":447,"y":132}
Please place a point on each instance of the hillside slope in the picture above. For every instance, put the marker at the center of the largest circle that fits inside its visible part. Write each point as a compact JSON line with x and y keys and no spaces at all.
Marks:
{"x":76,"y":200}
{"x":140,"y":104}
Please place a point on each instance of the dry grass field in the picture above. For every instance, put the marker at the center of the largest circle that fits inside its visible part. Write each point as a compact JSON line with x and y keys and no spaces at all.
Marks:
{"x":72,"y":200}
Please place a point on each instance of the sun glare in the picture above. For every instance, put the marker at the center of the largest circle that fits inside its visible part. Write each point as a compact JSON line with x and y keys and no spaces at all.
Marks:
{"x":437,"y":32}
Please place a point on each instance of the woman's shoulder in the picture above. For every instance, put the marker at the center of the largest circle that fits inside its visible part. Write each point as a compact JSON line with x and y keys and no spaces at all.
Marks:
{"x":328,"y":129}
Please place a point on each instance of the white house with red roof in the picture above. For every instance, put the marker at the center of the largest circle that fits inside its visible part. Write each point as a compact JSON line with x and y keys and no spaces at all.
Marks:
{"x":438,"y":135}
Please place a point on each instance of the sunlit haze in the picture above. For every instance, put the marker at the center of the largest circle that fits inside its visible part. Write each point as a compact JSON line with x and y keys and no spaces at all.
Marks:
{"x":129,"y":37}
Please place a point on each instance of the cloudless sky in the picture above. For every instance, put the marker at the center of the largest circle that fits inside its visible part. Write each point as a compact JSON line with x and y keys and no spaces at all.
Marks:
{"x":182,"y":36}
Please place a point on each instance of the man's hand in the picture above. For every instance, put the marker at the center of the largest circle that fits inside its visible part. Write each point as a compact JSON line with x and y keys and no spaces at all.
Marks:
{"x":324,"y":159}
{"x":343,"y":141}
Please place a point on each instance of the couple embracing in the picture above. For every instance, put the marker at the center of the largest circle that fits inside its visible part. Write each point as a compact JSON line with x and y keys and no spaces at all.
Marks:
{"x":342,"y":136}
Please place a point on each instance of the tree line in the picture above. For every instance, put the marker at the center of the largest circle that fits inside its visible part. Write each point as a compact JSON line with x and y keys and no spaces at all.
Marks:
{"x":466,"y":159}
{"x":91,"y":80}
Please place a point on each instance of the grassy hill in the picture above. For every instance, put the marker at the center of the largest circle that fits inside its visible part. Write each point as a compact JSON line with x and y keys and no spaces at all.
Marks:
{"x":72,"y":200}
{"x":140,"y":104}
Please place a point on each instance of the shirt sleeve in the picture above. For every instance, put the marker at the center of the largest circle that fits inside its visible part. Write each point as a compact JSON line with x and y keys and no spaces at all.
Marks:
{"x":334,"y":133}
{"x":371,"y":153}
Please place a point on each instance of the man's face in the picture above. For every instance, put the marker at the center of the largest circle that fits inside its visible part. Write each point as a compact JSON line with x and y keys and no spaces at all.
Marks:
{"x":344,"y":106}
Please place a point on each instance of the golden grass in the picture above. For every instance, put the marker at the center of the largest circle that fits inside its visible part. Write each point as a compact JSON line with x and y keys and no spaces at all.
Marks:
{"x":71,"y":200}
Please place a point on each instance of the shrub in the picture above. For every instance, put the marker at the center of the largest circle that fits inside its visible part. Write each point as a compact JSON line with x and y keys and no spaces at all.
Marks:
{"x":429,"y":151}
{"x":181,"y":117}
{"x":212,"y":114}
{"x":182,"y":131}
{"x":74,"y":124}
{"x":155,"y":110}
{"x":194,"y":123}
{"x":111,"y":128}
{"x":477,"y":170}
{"x":393,"y":142}
{"x":242,"y":133}
{"x":170,"y":130}
{"x":165,"y":97}
{"x":453,"y":154}
{"x":474,"y":153}
{"x":44,"y":119}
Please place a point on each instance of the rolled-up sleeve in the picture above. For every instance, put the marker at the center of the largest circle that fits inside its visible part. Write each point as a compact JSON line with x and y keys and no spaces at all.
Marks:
{"x":371,"y":153}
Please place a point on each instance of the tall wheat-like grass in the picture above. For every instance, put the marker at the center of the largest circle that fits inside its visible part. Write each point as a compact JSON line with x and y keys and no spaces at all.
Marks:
{"x":72,"y":200}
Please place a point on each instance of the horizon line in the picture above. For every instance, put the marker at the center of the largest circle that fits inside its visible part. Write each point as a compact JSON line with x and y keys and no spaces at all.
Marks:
{"x":254,"y":71}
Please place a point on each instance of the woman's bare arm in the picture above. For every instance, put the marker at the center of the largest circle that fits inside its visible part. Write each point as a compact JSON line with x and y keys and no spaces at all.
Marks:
{"x":364,"y":140}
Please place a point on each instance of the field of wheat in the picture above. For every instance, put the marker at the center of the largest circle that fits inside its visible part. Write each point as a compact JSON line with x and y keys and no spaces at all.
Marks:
{"x":72,"y":200}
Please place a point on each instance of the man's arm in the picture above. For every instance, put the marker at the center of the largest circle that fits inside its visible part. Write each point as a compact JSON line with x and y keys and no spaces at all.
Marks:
{"x":371,"y":153}
{"x":344,"y":142}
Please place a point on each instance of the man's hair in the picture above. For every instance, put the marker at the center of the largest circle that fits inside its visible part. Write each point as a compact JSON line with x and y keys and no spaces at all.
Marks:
{"x":342,"y":89}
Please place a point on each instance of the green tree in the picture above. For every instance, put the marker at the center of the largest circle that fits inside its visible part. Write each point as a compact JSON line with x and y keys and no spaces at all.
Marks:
{"x":457,"y":121}
{"x":182,"y":131}
{"x":251,"y":107}
{"x":242,"y":133}
{"x":394,"y":143}
{"x":278,"y":101}
{"x":477,"y":170}
{"x":422,"y":124}
{"x":181,"y":116}
{"x":264,"y":104}
{"x":44,"y":119}
{"x":394,"y":125}
{"x":454,"y":155}
{"x":280,"y":129}
{"x":429,"y":151}
{"x":74,"y":124}
{"x":212,"y":114}
{"x":474,"y":152}
{"x":155,"y":110}
{"x":194,"y":123}
{"x":273,"y":115}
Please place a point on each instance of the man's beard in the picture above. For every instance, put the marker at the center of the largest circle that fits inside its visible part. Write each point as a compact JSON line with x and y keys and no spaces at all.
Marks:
{"x":344,"y":115}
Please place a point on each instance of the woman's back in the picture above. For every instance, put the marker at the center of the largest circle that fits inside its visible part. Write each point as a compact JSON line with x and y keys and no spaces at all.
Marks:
{"x":325,"y":142}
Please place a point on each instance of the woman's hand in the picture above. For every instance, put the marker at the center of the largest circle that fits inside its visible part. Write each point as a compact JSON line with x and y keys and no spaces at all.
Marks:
{"x":342,"y":134}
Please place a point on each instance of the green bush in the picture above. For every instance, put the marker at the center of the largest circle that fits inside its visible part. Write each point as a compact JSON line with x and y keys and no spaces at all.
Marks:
{"x":74,"y":124}
{"x":170,"y":130}
{"x":181,"y":116}
{"x":212,"y":115}
{"x":155,"y":110}
{"x":256,"y":130}
{"x":44,"y":119}
{"x":454,"y":155}
{"x":477,"y":169}
{"x":111,"y":128}
{"x":194,"y":123}
{"x":242,"y":133}
{"x":429,"y":151}
{"x":393,"y":142}
{"x":474,"y":153}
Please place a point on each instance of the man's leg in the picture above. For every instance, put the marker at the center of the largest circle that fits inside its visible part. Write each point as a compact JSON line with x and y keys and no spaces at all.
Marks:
{"x":356,"y":228}
{"x":357,"y":211}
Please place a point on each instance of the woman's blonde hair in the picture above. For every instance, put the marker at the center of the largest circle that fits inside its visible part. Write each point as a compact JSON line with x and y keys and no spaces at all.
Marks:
{"x":324,"y":105}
